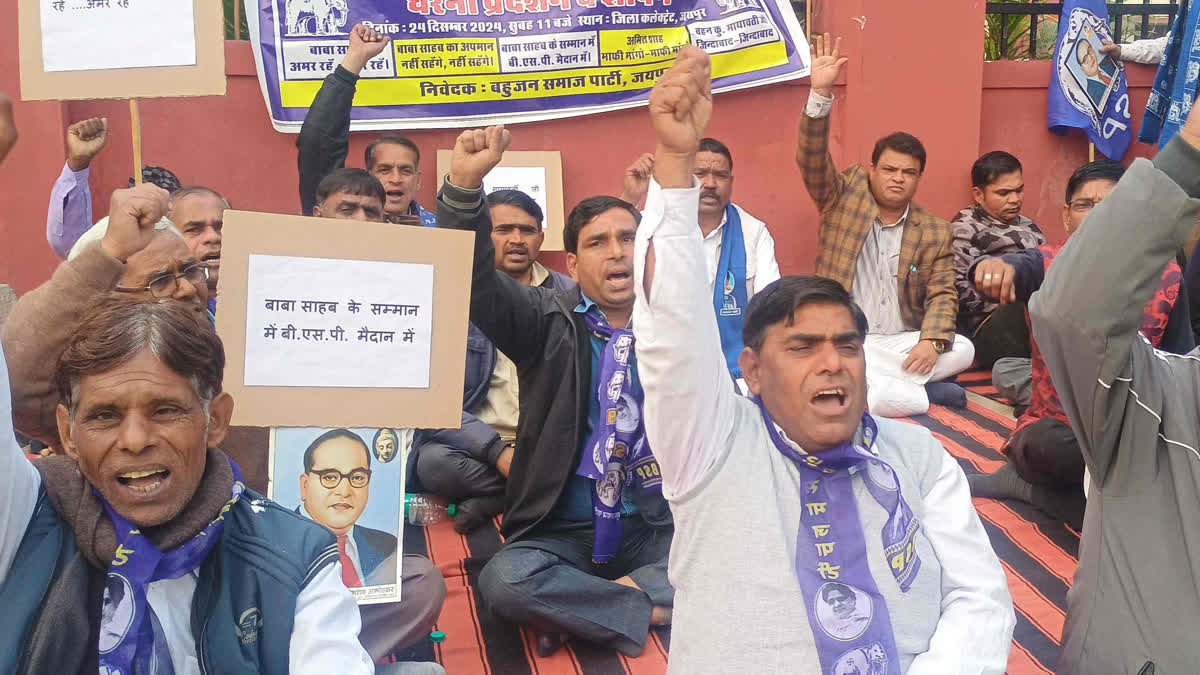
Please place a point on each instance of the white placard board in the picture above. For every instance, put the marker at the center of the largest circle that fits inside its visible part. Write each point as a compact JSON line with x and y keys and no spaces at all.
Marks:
{"x":316,"y":322}
{"x":528,"y":179}
{"x":99,"y":34}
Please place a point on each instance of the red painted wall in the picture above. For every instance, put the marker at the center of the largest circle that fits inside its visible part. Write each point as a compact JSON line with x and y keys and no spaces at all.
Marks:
{"x":916,"y":71}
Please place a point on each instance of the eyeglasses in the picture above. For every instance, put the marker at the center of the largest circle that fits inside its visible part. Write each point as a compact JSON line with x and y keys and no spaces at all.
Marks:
{"x":1083,"y":205}
{"x":331,"y":478}
{"x":164,"y":285}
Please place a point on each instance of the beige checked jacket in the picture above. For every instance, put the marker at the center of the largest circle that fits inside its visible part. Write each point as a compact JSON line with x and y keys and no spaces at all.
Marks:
{"x":926,"y":270}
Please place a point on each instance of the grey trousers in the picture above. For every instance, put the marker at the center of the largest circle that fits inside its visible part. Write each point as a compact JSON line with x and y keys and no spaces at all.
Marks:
{"x":1013,"y":378}
{"x":389,"y":627}
{"x":456,"y":474}
{"x":548,"y":582}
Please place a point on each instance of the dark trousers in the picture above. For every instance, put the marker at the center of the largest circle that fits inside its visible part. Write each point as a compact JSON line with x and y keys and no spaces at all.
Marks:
{"x":1047,"y":453}
{"x":1004,"y":333}
{"x":391,"y":626}
{"x":455,"y":473}
{"x":547,"y":581}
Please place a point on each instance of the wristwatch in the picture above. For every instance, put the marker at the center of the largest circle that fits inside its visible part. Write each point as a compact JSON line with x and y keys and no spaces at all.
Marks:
{"x":939,"y":346}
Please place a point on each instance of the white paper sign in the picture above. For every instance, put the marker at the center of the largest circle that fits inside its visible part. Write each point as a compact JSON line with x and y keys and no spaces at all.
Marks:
{"x":528,"y":179}
{"x":101,"y":34}
{"x":314,"y":322}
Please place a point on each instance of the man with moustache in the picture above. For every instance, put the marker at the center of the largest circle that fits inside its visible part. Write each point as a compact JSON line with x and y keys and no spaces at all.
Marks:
{"x":779,"y":483}
{"x":892,"y":256}
{"x":575,"y":562}
{"x":740,"y":252}
{"x":324,"y":139}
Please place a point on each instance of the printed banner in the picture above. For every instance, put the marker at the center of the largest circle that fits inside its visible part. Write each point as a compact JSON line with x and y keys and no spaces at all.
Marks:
{"x":1087,"y":89}
{"x":462,"y":63}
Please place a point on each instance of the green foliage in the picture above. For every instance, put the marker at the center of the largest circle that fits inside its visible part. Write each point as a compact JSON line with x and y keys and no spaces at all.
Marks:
{"x":230,"y":34}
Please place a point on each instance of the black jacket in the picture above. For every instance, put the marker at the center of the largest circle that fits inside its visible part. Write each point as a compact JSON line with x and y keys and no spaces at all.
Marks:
{"x":547,"y":340}
{"x":324,"y":137}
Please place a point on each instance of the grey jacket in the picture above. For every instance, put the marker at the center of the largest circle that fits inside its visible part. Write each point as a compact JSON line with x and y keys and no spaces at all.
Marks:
{"x":1136,"y":413}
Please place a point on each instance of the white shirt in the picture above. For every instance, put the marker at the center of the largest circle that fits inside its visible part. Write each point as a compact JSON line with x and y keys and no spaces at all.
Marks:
{"x":1149,"y":51}
{"x":325,"y":633}
{"x":351,"y":546}
{"x":761,"y":268}
{"x":735,"y":499}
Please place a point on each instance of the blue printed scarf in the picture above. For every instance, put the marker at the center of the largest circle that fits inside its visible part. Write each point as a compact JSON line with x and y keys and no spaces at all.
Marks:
{"x":1174,"y":88}
{"x":616,"y":453}
{"x":849,"y":618}
{"x":729,"y":290}
{"x":132,"y":641}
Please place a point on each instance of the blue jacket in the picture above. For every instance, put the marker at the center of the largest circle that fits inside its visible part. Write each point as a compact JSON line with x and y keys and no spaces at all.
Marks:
{"x":243,"y":608}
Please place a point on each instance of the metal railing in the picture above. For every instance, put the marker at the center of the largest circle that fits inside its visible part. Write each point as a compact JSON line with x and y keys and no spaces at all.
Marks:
{"x":1020,"y":29}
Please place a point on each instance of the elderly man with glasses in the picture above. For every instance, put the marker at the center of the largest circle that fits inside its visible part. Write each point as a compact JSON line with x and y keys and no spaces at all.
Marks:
{"x":132,"y":258}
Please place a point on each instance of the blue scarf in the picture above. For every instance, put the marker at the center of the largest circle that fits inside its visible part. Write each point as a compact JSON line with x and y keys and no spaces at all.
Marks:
{"x":132,"y":641}
{"x":847,"y":613}
{"x":616,"y":453}
{"x":1173,"y":92}
{"x":729,"y":290}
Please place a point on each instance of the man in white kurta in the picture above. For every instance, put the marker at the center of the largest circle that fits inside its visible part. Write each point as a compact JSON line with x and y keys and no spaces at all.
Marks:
{"x":737,"y":499}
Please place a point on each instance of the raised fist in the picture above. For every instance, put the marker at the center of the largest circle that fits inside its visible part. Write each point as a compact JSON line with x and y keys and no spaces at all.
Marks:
{"x":681,"y":102}
{"x":637,"y":179}
{"x":85,"y":140}
{"x":365,"y":44}
{"x":132,"y":215}
{"x":476,"y":152}
{"x":827,"y":62}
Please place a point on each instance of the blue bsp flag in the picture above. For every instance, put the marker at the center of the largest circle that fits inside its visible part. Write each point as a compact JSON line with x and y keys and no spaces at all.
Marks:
{"x":1087,"y":88}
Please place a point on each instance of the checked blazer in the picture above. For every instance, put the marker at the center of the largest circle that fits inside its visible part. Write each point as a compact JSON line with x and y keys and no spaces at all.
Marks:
{"x":925,"y":275}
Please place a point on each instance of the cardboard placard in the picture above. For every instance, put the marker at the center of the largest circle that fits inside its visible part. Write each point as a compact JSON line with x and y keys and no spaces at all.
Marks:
{"x":450,"y":252}
{"x":551,"y":161}
{"x":205,"y":78}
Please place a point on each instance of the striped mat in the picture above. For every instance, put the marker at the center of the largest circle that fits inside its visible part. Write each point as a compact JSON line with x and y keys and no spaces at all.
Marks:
{"x":980,"y":382}
{"x":1037,"y":553}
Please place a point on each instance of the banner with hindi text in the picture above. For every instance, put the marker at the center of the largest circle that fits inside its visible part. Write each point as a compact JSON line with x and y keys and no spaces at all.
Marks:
{"x":460,"y":63}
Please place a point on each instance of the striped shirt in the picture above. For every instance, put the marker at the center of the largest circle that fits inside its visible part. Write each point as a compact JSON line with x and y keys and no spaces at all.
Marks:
{"x":875,"y":278}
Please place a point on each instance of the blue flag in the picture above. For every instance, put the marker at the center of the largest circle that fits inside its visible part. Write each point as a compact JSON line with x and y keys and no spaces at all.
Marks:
{"x":1087,"y":88}
{"x":1174,"y":88}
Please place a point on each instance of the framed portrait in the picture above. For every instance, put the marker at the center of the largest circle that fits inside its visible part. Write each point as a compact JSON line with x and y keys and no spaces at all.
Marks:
{"x":352,"y":482}
{"x":1093,"y":71}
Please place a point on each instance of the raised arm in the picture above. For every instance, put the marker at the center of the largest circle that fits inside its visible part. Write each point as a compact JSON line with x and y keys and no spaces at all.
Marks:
{"x":325,"y":135}
{"x":821,"y":178}
{"x":70,"y":212}
{"x":689,"y":394}
{"x":509,"y":313}
{"x":37,"y":329}
{"x":1087,"y":314}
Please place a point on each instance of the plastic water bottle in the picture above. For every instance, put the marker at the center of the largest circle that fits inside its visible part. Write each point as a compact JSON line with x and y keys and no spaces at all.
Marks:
{"x":425,"y":510}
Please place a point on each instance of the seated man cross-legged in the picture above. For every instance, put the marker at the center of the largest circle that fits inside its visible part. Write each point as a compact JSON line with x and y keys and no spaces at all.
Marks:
{"x":891,"y":255}
{"x":992,"y":226}
{"x":811,"y":537}
{"x":587,"y":531}
{"x":470,"y":465}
